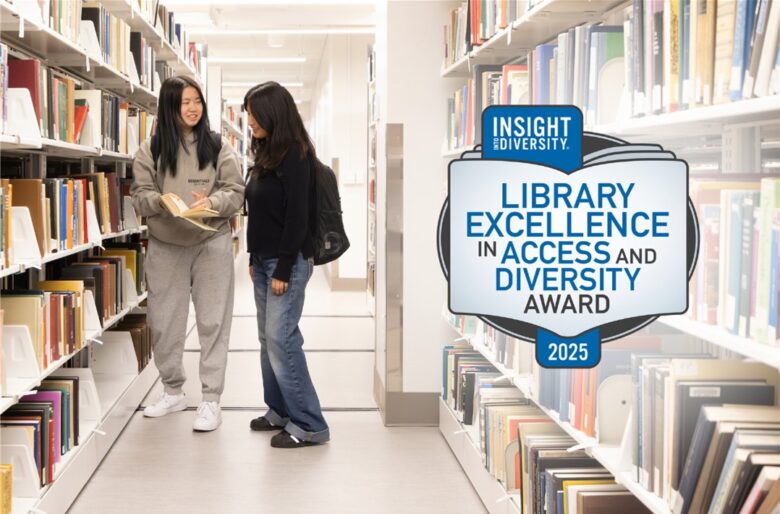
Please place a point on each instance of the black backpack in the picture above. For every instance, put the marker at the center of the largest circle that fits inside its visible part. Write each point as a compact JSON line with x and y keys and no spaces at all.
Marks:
{"x":326,"y":226}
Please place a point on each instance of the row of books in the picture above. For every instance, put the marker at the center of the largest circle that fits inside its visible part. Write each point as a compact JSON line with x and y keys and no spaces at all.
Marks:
{"x":196,"y":53}
{"x":614,"y":72}
{"x":233,"y":115}
{"x":522,"y":447}
{"x":736,"y":282}
{"x":60,"y":211}
{"x":147,"y":8}
{"x":235,"y":142}
{"x":54,"y":312}
{"x":680,"y":392}
{"x":62,"y":16}
{"x":90,"y":117}
{"x":475,"y":22}
{"x":145,"y":59}
{"x":670,"y":391}
{"x":174,"y":33}
{"x":49,"y":422}
{"x":113,"y":35}
{"x":685,"y":53}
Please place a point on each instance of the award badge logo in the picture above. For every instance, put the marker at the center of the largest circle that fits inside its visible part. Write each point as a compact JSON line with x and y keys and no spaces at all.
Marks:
{"x":563,"y":238}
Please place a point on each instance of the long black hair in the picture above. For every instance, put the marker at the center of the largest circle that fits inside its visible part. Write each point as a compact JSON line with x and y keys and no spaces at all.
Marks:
{"x":169,"y":136}
{"x":274,"y":109}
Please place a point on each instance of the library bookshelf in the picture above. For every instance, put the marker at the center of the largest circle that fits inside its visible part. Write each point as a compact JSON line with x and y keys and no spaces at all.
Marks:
{"x":543,"y":23}
{"x":113,"y":384}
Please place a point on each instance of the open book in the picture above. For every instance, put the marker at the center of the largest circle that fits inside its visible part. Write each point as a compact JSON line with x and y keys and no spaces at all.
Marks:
{"x":178,"y":208}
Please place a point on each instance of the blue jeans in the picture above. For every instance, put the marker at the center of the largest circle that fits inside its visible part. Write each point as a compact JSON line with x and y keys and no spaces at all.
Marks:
{"x":287,"y":387}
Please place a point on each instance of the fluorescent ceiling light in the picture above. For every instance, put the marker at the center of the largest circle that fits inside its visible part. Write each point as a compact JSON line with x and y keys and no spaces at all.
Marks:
{"x":256,"y":60}
{"x":260,"y":32}
{"x":194,"y":18}
{"x":322,"y":3}
{"x":240,"y":101}
{"x":250,"y":84}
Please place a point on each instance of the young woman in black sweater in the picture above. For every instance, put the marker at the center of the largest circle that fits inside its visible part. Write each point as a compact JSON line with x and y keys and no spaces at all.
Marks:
{"x":278,"y":198}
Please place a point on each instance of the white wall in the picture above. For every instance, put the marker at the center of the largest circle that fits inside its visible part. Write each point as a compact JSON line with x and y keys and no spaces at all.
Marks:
{"x":339,"y":130}
{"x":414,"y":94}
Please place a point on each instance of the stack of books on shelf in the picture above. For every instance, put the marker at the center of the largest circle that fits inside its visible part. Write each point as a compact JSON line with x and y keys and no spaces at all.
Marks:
{"x":47,"y":423}
{"x":113,"y":34}
{"x":62,"y":16}
{"x":653,"y":58}
{"x":736,"y":282}
{"x":145,"y":58}
{"x":44,"y":428}
{"x":67,"y":110}
{"x":65,"y":213}
{"x":698,"y":432}
{"x":475,"y":22}
{"x":177,"y":37}
{"x":522,"y":447}
{"x":233,"y":127}
{"x":55,"y":311}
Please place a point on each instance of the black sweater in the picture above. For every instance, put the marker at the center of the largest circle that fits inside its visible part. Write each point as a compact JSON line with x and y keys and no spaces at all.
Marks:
{"x":278,"y":205}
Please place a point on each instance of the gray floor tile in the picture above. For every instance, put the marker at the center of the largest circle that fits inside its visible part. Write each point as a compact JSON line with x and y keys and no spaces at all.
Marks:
{"x":161,"y":466}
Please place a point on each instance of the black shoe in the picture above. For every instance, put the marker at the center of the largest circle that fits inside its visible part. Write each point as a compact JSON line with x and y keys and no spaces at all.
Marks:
{"x":285,"y":440}
{"x":261,"y":424}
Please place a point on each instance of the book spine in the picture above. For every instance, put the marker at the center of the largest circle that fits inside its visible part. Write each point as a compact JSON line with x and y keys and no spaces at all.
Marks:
{"x":733,"y":264}
{"x":745,"y":264}
{"x":756,"y":44}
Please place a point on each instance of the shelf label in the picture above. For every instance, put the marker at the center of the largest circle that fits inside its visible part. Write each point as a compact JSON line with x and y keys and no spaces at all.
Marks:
{"x":562,"y":238}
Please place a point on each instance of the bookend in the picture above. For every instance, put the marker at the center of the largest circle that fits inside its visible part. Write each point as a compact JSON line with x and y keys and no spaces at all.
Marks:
{"x":89,"y":41}
{"x":615,"y":397}
{"x":93,"y":227}
{"x":20,"y":365}
{"x":21,"y":115}
{"x":91,"y":318}
{"x":90,"y":413}
{"x":130,"y":290}
{"x":26,"y":250}
{"x":116,"y":356}
{"x":16,"y":451}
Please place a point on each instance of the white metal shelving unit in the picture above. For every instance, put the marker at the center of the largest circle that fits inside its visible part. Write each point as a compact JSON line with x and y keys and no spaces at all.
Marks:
{"x":120,"y":391}
{"x":608,"y":456}
{"x":490,"y":491}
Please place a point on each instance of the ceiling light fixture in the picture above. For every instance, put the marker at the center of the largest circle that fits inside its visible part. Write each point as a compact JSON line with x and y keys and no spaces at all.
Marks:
{"x":250,"y":84}
{"x":256,"y":60}
{"x":321,"y":3}
{"x":293,"y":32}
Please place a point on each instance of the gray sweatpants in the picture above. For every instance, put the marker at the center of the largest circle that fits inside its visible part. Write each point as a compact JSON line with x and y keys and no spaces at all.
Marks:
{"x":172,"y":273}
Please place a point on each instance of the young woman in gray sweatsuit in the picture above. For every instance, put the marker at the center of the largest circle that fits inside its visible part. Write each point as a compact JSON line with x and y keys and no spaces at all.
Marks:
{"x":182,"y":260}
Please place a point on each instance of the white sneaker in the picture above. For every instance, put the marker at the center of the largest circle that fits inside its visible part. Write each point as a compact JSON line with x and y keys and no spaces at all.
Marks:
{"x":167,"y":404}
{"x":209,"y":417}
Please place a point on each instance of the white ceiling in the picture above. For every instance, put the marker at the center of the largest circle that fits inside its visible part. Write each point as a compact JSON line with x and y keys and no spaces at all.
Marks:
{"x":204,"y":20}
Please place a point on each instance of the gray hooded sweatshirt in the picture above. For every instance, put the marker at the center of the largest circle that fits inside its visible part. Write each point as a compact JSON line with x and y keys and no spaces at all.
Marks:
{"x":223,"y":184}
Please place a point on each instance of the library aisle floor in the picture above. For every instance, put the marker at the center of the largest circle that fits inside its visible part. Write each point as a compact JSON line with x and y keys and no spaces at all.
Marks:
{"x":162,"y":466}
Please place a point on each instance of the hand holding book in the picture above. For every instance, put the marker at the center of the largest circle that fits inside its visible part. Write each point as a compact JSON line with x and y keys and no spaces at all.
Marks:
{"x":200,"y":209}
{"x":176,"y":206}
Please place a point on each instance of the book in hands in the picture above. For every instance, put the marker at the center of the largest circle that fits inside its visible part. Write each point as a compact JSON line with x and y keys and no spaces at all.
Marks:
{"x":179,"y":209}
